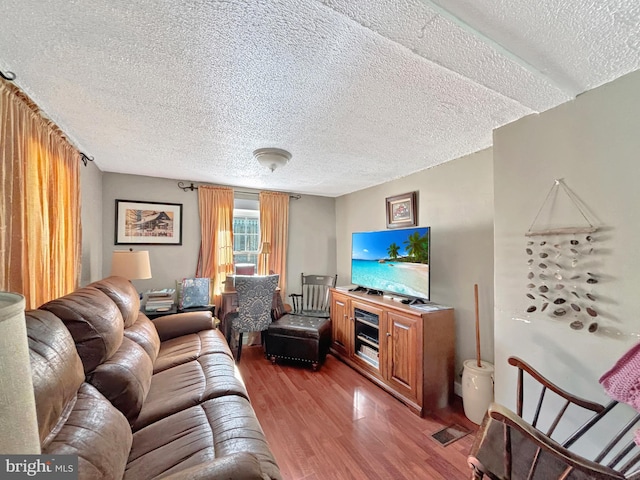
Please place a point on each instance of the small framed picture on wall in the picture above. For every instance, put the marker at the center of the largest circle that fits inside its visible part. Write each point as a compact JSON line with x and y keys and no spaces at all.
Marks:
{"x":402,"y":210}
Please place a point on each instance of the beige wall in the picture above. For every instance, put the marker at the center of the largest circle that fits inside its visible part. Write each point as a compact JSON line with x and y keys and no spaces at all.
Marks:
{"x":311,"y":224}
{"x":312,"y":238}
{"x":91,"y":218}
{"x":456,"y":201}
{"x":593,"y":144}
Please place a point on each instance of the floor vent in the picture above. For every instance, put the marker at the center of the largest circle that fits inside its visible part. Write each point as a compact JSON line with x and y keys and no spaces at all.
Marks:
{"x":449,"y":434}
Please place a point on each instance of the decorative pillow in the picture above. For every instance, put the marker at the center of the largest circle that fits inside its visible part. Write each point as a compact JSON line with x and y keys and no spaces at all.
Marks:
{"x":194,"y":292}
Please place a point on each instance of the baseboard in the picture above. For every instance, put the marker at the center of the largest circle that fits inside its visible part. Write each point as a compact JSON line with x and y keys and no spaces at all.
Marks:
{"x":457,"y":389}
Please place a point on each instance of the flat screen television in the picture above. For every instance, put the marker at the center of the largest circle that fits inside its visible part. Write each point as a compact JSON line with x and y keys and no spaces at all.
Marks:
{"x":392,"y":261}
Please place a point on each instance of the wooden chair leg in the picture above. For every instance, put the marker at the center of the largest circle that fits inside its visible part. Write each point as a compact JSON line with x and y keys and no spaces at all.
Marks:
{"x":477,"y":475}
{"x":239,"y":347}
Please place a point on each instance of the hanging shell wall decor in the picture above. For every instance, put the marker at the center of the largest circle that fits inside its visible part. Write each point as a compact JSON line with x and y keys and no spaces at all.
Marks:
{"x":563,"y":264}
{"x":563,"y":286}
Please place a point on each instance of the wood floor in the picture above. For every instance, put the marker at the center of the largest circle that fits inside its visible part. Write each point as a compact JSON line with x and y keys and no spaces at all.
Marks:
{"x":334,"y":424}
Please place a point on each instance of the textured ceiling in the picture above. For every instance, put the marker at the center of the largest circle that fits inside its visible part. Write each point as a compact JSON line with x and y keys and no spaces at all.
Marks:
{"x":360,"y":92}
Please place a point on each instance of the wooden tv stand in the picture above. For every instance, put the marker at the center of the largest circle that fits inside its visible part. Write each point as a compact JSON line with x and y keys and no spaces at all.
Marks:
{"x":406,"y":351}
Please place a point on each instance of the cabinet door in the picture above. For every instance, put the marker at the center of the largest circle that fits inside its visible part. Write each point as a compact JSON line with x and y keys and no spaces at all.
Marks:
{"x":403,"y":353}
{"x":340,"y":324}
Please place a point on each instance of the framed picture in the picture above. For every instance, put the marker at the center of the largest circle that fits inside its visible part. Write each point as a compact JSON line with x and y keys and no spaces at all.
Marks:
{"x":148,"y":223}
{"x":402,"y":210}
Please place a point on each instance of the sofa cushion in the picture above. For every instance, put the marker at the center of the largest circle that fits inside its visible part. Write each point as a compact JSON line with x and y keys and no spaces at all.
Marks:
{"x":236,"y":429}
{"x":125,"y":378}
{"x":218,"y":428}
{"x":186,"y":348}
{"x":239,"y":466}
{"x":186,"y":385}
{"x":122,"y":292}
{"x":94,"y":321}
{"x":56,"y":370}
{"x":144,"y":333}
{"x":97,"y":433}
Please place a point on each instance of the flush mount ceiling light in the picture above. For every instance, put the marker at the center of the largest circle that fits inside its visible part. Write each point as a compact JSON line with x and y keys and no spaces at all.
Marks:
{"x":272,"y":158}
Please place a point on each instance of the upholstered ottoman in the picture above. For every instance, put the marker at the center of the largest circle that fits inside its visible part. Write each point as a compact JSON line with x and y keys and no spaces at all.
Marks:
{"x":298,"y":337}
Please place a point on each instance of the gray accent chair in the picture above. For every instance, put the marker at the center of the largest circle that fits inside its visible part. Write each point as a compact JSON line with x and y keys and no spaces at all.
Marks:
{"x":255,"y":298}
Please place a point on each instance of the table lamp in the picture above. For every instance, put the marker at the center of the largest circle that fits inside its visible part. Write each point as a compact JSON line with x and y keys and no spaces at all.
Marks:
{"x":265,"y":251}
{"x":130,"y":264}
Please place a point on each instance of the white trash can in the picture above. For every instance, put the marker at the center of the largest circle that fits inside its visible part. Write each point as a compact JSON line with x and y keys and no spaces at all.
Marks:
{"x":477,"y":389}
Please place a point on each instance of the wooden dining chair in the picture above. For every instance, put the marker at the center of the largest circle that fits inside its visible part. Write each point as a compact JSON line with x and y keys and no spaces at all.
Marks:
{"x":513,"y":446}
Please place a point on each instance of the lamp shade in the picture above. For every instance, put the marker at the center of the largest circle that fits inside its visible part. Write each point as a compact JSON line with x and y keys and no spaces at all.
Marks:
{"x":266,"y":248}
{"x":133,"y":265}
{"x":18,"y":421}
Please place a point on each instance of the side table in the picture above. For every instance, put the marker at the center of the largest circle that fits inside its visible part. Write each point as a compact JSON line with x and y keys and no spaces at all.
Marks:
{"x":156,"y":314}
{"x":174,"y":309}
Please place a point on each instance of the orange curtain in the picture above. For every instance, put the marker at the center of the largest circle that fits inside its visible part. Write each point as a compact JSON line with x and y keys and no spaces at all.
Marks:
{"x":40,"y":231}
{"x":274,"y":228}
{"x":216,"y":229}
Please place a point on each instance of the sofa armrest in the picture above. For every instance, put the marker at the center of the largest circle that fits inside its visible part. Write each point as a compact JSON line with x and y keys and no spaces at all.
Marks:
{"x":171,"y":326}
{"x":236,"y":466}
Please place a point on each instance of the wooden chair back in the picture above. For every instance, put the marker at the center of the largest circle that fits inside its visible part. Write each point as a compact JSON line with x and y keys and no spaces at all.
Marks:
{"x":314,"y":299}
{"x":515,"y":445}
{"x":544,"y":387}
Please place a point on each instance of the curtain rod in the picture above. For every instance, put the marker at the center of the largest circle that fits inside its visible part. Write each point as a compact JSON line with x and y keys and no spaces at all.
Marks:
{"x":193,"y":187}
{"x":85,"y":158}
{"x":9,"y":76}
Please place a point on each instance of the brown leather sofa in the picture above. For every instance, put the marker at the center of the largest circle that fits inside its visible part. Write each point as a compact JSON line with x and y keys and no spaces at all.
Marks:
{"x":137,"y":399}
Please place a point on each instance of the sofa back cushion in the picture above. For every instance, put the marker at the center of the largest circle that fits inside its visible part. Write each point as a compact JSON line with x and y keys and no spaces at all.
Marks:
{"x":125,"y":378}
{"x":123,"y":294}
{"x":145,"y":334}
{"x":56,"y":370}
{"x":94,"y":321}
{"x":137,"y":326}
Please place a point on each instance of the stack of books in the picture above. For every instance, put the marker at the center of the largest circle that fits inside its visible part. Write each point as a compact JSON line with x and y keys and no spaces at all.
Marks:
{"x":158,"y":300}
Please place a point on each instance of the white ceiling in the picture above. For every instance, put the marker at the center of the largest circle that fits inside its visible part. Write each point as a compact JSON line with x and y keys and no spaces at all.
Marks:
{"x":360,"y":92}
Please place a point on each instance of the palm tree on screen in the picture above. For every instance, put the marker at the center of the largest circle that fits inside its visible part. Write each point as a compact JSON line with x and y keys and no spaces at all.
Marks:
{"x":418,"y":247}
{"x":393,"y":251}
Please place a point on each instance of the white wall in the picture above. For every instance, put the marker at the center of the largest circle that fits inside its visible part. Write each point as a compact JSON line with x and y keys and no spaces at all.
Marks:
{"x":593,"y":143}
{"x":91,"y":218}
{"x":456,"y":201}
{"x":311,"y":231}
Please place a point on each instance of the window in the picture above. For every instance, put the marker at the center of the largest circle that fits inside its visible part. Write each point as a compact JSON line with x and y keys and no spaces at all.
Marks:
{"x":246,"y":234}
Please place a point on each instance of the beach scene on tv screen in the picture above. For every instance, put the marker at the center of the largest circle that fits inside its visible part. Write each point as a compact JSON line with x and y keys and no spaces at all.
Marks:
{"x":395,"y":261}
